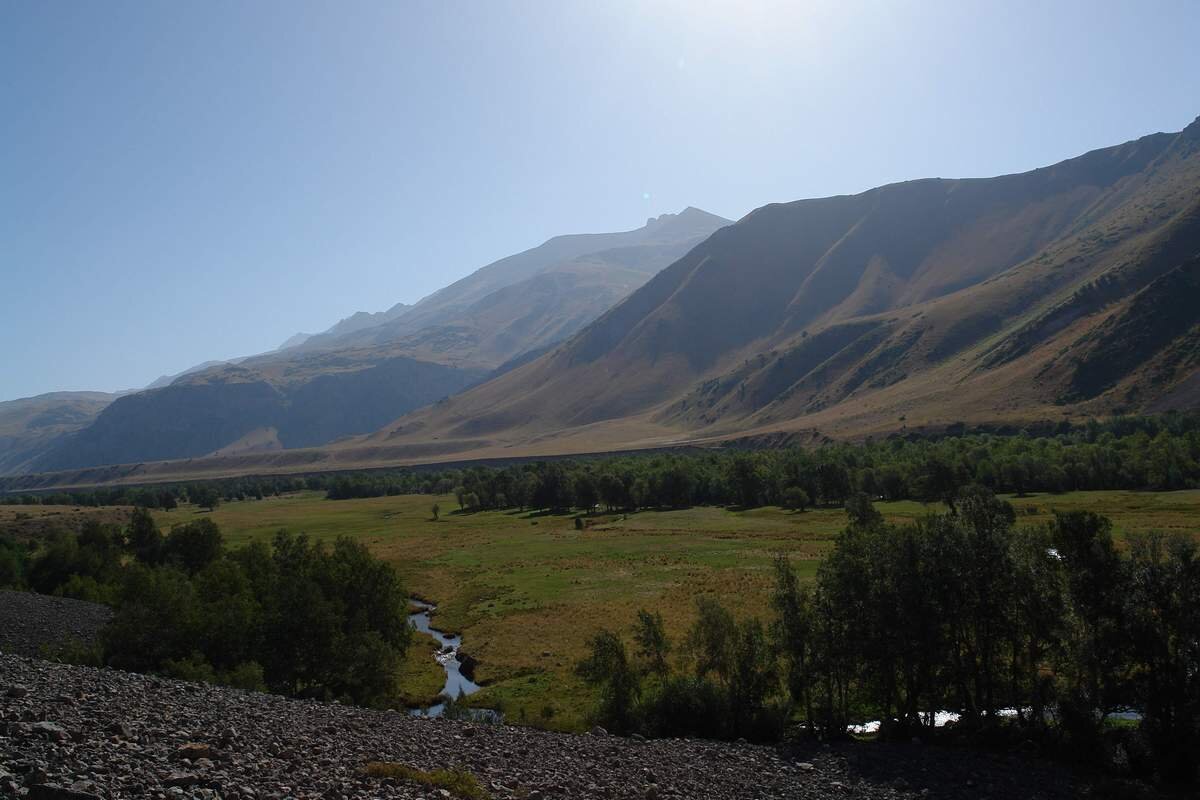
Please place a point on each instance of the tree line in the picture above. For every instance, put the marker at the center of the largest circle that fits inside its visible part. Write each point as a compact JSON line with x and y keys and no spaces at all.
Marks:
{"x":1143,"y":453}
{"x":206,"y":494}
{"x":294,"y":617}
{"x":1027,"y":632}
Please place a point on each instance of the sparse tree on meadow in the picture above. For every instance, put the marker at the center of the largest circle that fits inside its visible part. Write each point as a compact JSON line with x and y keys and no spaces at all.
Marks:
{"x":796,"y":498}
{"x":653,"y":644}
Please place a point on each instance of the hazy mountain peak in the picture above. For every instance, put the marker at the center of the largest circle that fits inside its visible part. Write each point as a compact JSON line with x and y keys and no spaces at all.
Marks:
{"x":167,"y":380}
{"x":358,"y":321}
{"x":1193,"y":131}
{"x":295,"y":340}
{"x":657,"y":237}
{"x":688,"y":216}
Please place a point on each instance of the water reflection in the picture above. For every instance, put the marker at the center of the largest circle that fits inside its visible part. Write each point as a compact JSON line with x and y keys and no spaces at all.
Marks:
{"x":457,"y":684}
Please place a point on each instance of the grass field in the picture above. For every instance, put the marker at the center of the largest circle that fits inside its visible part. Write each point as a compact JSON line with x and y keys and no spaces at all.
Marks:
{"x":527,"y":590}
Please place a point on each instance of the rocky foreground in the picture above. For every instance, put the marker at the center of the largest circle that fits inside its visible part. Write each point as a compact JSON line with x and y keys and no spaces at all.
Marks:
{"x":77,"y":732}
{"x":33,"y":623}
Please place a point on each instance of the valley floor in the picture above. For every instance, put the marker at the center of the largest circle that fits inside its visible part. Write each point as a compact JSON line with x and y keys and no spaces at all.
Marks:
{"x":526,"y":590}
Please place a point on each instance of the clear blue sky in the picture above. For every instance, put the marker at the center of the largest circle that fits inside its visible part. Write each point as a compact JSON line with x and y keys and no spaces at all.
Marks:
{"x":182,"y":181}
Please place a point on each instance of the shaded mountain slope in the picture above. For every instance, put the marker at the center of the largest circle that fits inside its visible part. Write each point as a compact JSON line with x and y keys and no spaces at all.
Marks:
{"x":239,"y":412}
{"x":31,"y":426}
{"x":925,"y":302}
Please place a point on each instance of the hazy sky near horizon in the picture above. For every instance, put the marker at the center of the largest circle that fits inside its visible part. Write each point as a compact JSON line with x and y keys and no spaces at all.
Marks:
{"x":195,"y":180}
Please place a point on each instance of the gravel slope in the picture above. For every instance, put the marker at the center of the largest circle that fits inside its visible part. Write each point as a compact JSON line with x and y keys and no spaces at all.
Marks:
{"x":30,"y":621}
{"x":114,"y":734}
{"x":80,"y":733}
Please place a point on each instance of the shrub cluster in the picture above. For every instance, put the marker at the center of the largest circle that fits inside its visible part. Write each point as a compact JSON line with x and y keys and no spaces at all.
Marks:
{"x":294,"y":617}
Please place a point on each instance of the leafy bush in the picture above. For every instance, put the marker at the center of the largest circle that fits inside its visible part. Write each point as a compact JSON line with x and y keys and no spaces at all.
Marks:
{"x":14,"y":562}
{"x":194,"y":545}
{"x":295,"y":617}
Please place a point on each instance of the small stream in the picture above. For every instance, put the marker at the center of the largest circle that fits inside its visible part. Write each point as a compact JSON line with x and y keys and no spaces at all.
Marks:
{"x":457,"y":684}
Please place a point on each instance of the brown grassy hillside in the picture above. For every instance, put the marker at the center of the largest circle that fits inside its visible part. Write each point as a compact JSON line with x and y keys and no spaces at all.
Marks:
{"x":924,"y":302}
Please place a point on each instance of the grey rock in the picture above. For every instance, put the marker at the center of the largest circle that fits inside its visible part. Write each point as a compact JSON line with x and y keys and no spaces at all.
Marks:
{"x":182,"y":779}
{"x":50,"y":730}
{"x":50,"y":791}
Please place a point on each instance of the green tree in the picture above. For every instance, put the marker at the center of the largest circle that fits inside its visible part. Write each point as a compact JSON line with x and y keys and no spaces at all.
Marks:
{"x":796,"y":498}
{"x":653,"y":645}
{"x":143,"y":538}
{"x":14,"y":559}
{"x":205,"y":497}
{"x":711,"y":640}
{"x":586,"y":492}
{"x":1163,"y":609}
{"x":194,"y":545}
{"x":862,"y":512}
{"x":156,"y":619}
{"x":1095,"y":647}
{"x":608,"y":667}
{"x":745,"y":480}
{"x":793,"y":634}
{"x":677,"y":484}
{"x":753,"y":680}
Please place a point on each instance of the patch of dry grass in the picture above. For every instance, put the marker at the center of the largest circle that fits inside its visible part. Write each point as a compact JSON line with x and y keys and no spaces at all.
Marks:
{"x":458,"y":782}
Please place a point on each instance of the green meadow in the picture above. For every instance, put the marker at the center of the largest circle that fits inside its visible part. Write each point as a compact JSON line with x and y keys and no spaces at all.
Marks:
{"x":527,"y":589}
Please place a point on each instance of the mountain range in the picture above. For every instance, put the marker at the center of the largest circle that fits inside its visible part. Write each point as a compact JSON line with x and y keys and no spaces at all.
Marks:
{"x":368,"y":368}
{"x":1063,"y":292}
{"x":1052,"y":295}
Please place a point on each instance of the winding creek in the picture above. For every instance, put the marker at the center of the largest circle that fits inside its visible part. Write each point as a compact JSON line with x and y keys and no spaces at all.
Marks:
{"x":457,"y":684}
